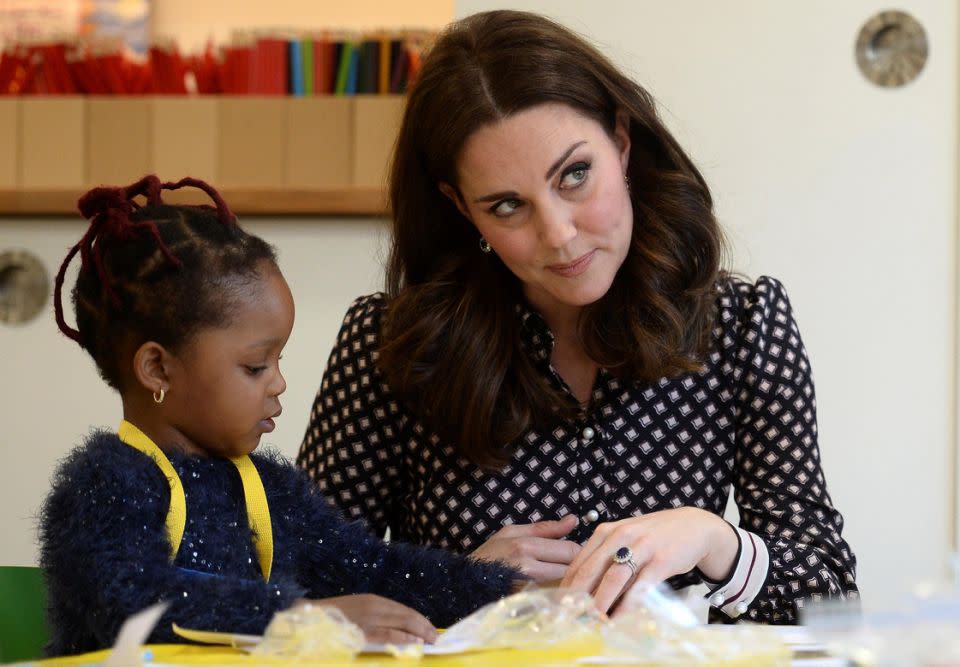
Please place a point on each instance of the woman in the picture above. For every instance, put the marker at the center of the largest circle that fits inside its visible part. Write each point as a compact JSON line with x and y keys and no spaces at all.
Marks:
{"x":559,"y":375}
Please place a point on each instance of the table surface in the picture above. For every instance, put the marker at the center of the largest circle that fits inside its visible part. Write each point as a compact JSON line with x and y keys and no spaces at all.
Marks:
{"x":562,"y":655}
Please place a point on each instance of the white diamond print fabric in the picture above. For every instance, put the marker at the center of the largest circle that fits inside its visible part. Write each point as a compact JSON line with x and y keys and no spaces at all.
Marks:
{"x":746,"y":423}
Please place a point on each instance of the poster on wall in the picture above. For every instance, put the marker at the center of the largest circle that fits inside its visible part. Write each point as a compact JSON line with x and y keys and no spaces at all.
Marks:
{"x":37,"y":20}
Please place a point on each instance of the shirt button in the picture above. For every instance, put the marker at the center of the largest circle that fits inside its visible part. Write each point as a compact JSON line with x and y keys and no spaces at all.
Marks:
{"x":717,"y":599}
{"x":741,"y":608}
{"x":588,"y":433}
{"x":592,"y":515}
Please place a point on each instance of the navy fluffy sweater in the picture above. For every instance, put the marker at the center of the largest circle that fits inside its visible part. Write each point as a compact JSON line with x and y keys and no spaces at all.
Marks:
{"x":106,"y":555}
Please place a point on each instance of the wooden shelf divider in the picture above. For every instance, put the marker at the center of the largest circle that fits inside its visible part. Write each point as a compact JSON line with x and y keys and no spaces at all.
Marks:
{"x":347,"y":201}
{"x":268,"y":156}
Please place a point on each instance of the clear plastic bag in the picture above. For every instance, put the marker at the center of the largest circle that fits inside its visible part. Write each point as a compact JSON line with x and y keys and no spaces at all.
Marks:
{"x":923,"y":630}
{"x":308,"y":633}
{"x":657,"y":628}
{"x":534,"y":618}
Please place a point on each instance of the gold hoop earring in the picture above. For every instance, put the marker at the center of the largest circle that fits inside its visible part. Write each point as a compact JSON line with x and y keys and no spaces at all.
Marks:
{"x":485,"y":245}
{"x":159,"y":399}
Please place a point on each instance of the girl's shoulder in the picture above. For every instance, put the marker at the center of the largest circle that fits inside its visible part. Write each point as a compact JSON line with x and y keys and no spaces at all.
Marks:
{"x":103,"y":461}
{"x":278,"y":474}
{"x":289,"y":489}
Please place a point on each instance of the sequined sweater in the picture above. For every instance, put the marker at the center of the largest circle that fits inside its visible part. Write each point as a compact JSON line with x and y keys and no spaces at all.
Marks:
{"x":746,"y":423}
{"x":105,"y":551}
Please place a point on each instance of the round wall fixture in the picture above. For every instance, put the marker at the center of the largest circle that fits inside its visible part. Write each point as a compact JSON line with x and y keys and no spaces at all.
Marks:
{"x":24,"y":286}
{"x":892,"y":49}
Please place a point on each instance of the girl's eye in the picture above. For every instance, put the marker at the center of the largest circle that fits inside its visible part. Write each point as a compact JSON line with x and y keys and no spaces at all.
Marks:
{"x":255,"y":370}
{"x":574,"y":175}
{"x":505,"y":207}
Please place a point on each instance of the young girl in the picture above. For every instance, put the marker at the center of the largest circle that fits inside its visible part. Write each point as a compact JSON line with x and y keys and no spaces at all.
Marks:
{"x":186,"y":315}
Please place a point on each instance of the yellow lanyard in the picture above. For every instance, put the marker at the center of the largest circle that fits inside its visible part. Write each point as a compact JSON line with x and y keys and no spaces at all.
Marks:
{"x":258,"y":512}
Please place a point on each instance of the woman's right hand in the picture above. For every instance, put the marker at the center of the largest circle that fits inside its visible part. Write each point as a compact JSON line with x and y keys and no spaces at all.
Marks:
{"x":382,"y":620}
{"x":536,"y":549}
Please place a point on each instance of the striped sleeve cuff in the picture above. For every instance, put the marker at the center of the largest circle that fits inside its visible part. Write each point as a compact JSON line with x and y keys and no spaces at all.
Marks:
{"x":733,"y":596}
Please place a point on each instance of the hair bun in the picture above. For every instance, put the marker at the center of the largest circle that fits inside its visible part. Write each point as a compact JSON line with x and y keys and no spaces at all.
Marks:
{"x":103,"y":200}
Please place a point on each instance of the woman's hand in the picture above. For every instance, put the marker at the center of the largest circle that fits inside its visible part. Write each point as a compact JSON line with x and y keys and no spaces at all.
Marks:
{"x":536,"y":549}
{"x":663,"y":543}
{"x":383,"y":620}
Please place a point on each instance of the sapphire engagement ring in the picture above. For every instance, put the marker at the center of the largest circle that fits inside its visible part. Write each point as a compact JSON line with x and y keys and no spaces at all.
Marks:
{"x":624,"y":556}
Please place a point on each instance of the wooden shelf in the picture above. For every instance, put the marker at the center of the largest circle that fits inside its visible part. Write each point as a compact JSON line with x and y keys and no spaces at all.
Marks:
{"x":349,"y":201}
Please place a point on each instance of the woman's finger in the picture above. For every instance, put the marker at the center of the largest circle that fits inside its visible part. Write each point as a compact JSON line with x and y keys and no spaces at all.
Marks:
{"x":614,"y":583}
{"x":600,"y":535}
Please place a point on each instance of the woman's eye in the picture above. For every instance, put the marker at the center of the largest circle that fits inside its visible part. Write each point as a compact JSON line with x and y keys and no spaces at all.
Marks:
{"x":574,"y":175}
{"x":505,"y":207}
{"x":255,"y":370}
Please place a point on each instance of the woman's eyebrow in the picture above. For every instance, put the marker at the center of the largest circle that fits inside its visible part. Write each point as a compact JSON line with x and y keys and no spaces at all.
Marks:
{"x":559,"y":163}
{"x":496,"y":196}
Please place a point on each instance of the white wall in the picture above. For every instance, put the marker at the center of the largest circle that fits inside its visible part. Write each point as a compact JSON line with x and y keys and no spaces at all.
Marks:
{"x":847,"y":193}
{"x":50,"y":392}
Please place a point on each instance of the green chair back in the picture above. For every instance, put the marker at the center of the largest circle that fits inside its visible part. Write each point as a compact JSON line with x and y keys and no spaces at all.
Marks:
{"x":23,"y":602}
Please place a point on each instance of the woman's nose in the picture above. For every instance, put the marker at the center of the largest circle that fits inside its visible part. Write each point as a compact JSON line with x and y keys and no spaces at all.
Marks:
{"x":556,"y":226}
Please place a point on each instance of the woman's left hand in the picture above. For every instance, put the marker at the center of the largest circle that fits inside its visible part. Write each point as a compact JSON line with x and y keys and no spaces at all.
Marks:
{"x":663,"y":543}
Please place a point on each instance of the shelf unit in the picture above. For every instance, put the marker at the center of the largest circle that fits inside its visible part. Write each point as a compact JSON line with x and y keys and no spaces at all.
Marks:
{"x":344,"y":201}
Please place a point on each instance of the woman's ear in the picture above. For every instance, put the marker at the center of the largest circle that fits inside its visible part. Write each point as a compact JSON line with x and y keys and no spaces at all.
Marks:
{"x":453,"y":195}
{"x":151,"y":367}
{"x":621,"y":137}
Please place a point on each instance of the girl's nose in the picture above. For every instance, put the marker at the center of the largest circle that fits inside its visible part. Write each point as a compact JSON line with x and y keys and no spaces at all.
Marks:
{"x":279,"y":384}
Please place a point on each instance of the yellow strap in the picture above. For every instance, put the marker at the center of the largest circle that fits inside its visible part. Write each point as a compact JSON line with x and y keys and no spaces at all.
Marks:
{"x":258,"y":511}
{"x":177,"y":513}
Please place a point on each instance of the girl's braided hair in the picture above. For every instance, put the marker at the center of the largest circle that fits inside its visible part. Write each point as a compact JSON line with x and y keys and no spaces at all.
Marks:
{"x":154,"y":271}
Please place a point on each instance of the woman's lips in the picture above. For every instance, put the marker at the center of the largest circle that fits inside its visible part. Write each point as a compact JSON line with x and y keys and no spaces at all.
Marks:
{"x":574,"y":268}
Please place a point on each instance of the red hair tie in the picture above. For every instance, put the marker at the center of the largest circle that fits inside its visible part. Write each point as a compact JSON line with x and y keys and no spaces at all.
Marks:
{"x":109,"y":210}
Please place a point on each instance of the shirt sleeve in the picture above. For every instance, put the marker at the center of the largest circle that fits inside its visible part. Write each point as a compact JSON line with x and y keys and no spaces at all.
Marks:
{"x":341,"y":557}
{"x":791,"y":547}
{"x":106,"y":556}
{"x":352,"y":448}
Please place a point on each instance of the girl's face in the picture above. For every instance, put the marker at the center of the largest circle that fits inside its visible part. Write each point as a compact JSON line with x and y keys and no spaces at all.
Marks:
{"x":225,"y":383}
{"x":546,"y":188}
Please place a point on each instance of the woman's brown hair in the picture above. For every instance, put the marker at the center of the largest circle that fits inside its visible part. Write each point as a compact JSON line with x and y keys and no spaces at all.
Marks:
{"x":451,"y":337}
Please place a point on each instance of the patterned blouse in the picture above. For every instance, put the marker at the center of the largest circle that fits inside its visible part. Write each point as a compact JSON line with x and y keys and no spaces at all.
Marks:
{"x":747,"y":421}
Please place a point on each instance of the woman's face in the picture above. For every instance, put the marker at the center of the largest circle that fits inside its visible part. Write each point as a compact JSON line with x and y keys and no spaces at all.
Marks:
{"x":545,"y":187}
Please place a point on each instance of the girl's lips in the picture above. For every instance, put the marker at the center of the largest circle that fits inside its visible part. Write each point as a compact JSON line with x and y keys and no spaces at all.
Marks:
{"x":574,"y":268}
{"x":267,"y":425}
